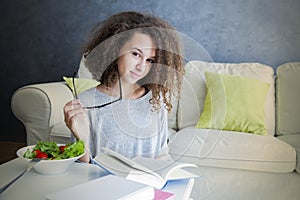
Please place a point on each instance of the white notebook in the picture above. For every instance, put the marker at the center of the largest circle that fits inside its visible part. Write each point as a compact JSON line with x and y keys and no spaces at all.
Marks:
{"x":109,"y":187}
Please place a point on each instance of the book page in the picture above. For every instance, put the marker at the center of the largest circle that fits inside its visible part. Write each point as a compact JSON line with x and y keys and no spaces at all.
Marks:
{"x":122,"y":169}
{"x":116,"y":166}
{"x":146,"y":178}
{"x":112,"y":165}
{"x":167,"y":169}
{"x":127,"y":161}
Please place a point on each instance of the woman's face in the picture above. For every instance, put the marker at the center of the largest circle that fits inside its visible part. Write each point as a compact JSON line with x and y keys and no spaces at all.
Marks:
{"x":136,"y":58}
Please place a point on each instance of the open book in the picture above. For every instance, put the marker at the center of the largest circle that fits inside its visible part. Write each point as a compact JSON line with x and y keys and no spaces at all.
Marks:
{"x":148,"y":171}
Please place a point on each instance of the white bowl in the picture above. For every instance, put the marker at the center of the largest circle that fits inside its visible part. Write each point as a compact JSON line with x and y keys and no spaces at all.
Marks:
{"x":49,"y":167}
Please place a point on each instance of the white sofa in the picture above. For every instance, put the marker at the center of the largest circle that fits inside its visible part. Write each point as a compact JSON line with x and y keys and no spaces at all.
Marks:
{"x":232,"y":165}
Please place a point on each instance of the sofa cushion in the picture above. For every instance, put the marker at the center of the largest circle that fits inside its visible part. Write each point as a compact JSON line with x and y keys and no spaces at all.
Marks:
{"x":294,"y":141}
{"x":288,"y":98}
{"x":230,"y":149}
{"x":194,"y":89}
{"x":234,"y":103}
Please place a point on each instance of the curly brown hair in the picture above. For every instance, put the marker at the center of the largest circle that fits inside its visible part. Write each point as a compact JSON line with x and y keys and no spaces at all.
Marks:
{"x":108,"y":37}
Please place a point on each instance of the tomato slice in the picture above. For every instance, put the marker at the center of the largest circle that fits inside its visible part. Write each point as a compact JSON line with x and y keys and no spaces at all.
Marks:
{"x":41,"y":155}
{"x":37,"y":151}
{"x":62,"y":148}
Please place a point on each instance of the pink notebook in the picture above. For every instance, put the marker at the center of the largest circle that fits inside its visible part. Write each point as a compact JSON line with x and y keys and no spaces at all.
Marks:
{"x":163,"y":195}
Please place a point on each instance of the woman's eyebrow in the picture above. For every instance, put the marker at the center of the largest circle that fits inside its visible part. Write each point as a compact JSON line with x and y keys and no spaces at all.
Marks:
{"x":138,"y":49}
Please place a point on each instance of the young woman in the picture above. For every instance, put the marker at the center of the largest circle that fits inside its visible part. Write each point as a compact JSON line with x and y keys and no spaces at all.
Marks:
{"x":137,"y":58}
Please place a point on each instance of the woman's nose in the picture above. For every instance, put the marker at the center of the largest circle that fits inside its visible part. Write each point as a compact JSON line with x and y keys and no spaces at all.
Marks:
{"x":141,"y":65}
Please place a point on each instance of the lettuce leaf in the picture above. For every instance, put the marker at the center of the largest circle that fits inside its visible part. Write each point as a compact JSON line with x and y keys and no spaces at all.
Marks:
{"x":72,"y":150}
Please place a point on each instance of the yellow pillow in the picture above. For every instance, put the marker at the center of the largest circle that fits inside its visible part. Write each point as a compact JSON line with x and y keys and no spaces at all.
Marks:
{"x":234,"y":103}
{"x":81,"y":84}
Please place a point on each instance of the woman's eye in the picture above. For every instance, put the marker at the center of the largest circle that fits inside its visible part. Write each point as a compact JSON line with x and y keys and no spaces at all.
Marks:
{"x":136,"y":54}
{"x":150,"y":60}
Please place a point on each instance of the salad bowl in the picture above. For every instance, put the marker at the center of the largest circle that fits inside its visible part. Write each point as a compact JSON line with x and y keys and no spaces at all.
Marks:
{"x":48,"y":166}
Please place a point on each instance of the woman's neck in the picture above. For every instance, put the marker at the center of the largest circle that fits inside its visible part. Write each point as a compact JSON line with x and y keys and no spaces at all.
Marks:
{"x":129,"y":91}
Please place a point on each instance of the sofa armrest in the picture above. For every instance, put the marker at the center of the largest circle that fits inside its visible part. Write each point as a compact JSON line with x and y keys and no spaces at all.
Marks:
{"x":40,"y":107}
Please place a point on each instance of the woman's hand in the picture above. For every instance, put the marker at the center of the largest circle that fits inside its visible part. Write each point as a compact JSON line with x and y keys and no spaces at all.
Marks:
{"x":77,"y":121}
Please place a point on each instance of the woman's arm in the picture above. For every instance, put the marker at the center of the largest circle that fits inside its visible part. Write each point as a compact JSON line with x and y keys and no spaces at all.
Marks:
{"x":77,"y":121}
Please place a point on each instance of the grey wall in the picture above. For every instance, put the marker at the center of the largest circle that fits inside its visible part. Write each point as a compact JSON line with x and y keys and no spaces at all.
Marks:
{"x":41,"y":39}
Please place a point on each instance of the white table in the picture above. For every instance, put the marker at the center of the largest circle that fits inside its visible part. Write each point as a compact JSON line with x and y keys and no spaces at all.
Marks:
{"x":35,"y":186}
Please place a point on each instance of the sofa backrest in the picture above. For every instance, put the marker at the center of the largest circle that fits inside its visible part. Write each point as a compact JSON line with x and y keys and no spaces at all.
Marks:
{"x":194,"y":89}
{"x":288,"y":99}
{"x":40,"y":108}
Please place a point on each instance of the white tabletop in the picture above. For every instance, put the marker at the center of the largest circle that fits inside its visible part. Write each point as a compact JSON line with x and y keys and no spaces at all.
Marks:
{"x":35,"y":186}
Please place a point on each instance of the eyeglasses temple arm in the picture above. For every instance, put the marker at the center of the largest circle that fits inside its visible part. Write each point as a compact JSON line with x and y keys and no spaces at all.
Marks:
{"x":74,"y":87}
{"x":120,"y":86}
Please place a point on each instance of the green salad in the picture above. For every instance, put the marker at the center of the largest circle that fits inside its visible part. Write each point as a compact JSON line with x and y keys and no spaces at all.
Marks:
{"x":51,"y":151}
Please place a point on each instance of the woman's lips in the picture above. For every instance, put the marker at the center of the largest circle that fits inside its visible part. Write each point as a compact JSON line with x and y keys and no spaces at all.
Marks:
{"x":135,"y":75}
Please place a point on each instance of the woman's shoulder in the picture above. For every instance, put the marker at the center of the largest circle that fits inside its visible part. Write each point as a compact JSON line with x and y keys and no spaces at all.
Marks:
{"x":91,"y":94}
{"x":87,"y":92}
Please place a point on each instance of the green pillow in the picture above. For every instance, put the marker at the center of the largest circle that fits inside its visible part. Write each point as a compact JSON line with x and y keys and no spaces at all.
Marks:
{"x":81,"y":84}
{"x":234,"y":103}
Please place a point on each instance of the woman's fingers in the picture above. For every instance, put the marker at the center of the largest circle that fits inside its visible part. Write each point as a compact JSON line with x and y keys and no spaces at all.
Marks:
{"x":74,"y":113}
{"x":72,"y":108}
{"x":71,"y":105}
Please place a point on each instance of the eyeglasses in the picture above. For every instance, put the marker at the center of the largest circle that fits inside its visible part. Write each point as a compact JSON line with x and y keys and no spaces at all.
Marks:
{"x":99,"y":106}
